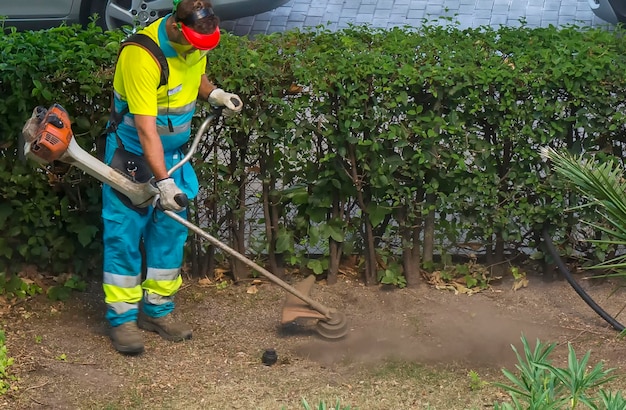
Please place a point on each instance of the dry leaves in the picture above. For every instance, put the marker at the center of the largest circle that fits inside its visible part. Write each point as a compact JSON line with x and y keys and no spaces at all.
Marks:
{"x":254,"y":288}
{"x":519,"y":283}
{"x":457,"y":285}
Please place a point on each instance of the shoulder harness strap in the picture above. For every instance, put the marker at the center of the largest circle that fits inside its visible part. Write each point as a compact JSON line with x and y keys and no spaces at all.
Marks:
{"x":155,"y":51}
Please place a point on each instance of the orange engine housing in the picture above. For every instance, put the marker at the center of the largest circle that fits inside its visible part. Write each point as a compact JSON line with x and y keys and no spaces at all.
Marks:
{"x":54,"y":134}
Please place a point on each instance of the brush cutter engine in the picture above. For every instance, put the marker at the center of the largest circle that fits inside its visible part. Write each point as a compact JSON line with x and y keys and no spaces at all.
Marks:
{"x":48,"y":137}
{"x":49,"y":132}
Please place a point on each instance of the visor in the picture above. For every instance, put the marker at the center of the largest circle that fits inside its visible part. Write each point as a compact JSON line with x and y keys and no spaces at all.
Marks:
{"x":201,"y":41}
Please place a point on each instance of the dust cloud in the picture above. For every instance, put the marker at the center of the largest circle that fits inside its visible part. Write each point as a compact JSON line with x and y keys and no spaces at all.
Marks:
{"x":463,"y":331}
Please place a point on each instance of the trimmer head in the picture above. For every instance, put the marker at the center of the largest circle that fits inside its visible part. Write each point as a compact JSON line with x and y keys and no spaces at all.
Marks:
{"x":334,"y":328}
{"x":330,"y":326}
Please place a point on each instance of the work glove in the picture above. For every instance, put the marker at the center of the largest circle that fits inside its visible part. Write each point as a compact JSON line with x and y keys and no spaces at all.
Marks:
{"x":167,"y":194}
{"x":220,"y":98}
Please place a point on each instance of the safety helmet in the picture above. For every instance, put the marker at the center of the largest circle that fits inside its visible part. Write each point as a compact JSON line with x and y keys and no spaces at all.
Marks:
{"x":201,"y":41}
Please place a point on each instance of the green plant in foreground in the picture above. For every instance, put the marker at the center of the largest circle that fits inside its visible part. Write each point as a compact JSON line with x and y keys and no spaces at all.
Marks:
{"x":475,"y":382}
{"x":323,"y":406}
{"x":542,"y":386}
{"x":221,"y":285}
{"x":13,"y":286}
{"x":5,"y":363}
{"x":63,"y":292}
{"x":612,"y":400}
{"x":603,"y":185}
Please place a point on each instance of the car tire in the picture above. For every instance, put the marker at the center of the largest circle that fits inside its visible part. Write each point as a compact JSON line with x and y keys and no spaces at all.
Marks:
{"x":132,"y":12}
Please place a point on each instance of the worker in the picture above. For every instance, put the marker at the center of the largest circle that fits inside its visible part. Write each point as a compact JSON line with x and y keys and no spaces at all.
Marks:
{"x":149,"y":126}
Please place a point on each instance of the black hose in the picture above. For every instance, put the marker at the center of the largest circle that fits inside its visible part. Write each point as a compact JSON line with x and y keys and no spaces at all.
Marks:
{"x":581,"y":292}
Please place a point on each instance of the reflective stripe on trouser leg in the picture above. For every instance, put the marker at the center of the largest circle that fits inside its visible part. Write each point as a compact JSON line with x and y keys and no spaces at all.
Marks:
{"x":164,"y":241}
{"x":123,"y":229}
{"x":121,"y":300}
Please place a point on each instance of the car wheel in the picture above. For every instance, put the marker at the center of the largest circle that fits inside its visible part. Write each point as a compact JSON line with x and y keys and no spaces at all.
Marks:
{"x":114,"y":14}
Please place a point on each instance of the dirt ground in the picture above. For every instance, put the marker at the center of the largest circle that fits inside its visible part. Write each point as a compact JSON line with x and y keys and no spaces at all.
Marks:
{"x":405,"y":349}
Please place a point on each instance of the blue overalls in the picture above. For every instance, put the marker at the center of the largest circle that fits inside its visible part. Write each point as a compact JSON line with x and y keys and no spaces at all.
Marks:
{"x":125,"y":228}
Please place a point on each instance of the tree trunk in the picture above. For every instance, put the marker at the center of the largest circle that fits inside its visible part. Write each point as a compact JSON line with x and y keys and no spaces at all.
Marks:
{"x":207,"y":265}
{"x":271,"y":213}
{"x":409,"y":236}
{"x":489,"y":251}
{"x":370,"y":276}
{"x":276,"y":212}
{"x":237,"y":233}
{"x":236,"y":216}
{"x":429,"y":229}
{"x":335,"y":248}
{"x":498,"y":267}
{"x":335,"y":253}
{"x":371,"y":264}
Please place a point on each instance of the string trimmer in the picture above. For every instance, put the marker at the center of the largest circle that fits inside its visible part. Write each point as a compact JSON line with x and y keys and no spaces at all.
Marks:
{"x":48,"y":137}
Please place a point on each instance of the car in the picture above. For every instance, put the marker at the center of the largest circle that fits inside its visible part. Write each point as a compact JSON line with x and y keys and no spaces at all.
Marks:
{"x":611,"y":11}
{"x":113,"y":14}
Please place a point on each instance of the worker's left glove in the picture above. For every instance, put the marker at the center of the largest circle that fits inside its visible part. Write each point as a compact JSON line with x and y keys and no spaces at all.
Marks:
{"x":220,"y":98}
{"x":168,"y":190}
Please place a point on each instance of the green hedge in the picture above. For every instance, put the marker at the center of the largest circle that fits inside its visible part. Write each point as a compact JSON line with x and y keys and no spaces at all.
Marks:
{"x":50,"y":217}
{"x":393,"y":144}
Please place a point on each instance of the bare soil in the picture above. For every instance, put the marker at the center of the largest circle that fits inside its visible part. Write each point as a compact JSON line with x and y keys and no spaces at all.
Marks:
{"x":406,"y":348}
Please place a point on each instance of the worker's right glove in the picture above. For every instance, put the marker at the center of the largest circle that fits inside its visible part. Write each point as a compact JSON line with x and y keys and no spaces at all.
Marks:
{"x":168,"y":191}
{"x":220,"y":98}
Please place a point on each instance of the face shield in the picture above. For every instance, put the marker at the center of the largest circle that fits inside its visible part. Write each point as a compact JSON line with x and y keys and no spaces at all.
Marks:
{"x":198,"y":44}
{"x":203,"y":42}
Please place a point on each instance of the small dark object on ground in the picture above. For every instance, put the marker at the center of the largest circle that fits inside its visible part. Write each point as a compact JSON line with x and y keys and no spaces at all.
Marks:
{"x":269,"y":357}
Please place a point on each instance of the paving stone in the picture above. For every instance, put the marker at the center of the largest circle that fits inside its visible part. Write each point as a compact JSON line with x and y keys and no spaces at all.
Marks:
{"x":500,"y":9}
{"x":337,"y":14}
{"x":498,"y":20}
{"x":385,"y":5}
{"x":482,"y":5}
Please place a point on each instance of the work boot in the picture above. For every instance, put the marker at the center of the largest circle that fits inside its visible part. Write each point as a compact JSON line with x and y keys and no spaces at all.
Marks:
{"x":166,"y":326}
{"x":127,"y":338}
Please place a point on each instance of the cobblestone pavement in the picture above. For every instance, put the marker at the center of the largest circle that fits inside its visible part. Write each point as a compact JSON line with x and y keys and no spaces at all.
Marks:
{"x":337,"y":14}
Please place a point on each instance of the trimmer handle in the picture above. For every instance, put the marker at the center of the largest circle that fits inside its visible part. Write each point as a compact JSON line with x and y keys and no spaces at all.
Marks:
{"x":182,"y":200}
